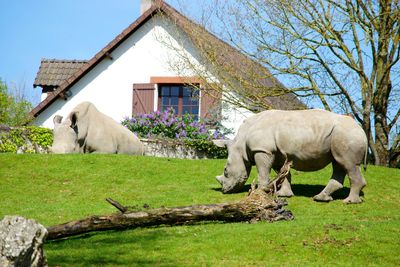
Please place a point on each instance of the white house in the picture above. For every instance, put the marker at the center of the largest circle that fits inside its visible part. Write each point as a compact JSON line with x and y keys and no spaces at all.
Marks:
{"x":133,"y":73}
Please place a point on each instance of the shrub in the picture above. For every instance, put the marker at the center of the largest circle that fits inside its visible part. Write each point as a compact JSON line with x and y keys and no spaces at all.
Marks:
{"x":26,"y":139}
{"x":39,"y":135}
{"x":167,"y":124}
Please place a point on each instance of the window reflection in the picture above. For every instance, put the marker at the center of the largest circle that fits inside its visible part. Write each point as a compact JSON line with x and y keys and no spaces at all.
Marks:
{"x":183,"y":99}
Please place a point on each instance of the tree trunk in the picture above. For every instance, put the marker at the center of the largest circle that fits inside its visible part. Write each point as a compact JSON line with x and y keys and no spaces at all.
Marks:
{"x":394,"y":161}
{"x":257,"y":206}
{"x":381,"y":146}
{"x":383,"y":84}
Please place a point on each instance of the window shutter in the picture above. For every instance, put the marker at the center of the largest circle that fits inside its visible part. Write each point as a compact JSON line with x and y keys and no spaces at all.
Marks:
{"x":210,"y":104}
{"x":143,"y":98}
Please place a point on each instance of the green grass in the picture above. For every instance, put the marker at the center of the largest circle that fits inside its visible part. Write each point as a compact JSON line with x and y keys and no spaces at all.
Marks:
{"x":57,"y":188}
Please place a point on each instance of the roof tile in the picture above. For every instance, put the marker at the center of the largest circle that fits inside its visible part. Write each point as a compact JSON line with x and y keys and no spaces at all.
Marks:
{"x":53,"y":72}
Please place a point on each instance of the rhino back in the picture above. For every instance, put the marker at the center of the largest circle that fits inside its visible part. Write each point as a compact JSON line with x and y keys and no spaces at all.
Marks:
{"x":102,"y":134}
{"x":112,"y":136}
{"x":302,"y":136}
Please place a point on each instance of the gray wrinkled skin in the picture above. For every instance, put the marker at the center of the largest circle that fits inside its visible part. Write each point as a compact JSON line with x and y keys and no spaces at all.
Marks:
{"x":65,"y":139}
{"x":310,"y":138}
{"x":87,"y":130}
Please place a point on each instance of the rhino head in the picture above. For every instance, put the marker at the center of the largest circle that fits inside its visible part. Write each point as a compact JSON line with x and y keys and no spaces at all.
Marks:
{"x":237,"y":169}
{"x":65,"y":138}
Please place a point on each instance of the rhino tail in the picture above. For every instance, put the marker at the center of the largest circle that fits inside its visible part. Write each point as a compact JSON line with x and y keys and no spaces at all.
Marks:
{"x":366,"y":158}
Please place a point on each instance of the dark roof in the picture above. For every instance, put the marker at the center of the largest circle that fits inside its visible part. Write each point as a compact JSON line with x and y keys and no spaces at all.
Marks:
{"x":53,"y":72}
{"x":226,"y":56}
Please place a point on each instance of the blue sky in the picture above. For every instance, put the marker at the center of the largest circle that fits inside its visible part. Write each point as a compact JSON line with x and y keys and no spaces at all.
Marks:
{"x":62,"y":29}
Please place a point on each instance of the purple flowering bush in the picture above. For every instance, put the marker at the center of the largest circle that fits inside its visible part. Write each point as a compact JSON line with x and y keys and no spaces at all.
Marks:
{"x":167,"y":124}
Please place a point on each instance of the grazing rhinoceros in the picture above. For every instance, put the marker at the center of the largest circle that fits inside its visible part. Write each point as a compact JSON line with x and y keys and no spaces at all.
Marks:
{"x":93,"y":132}
{"x":311,"y":139}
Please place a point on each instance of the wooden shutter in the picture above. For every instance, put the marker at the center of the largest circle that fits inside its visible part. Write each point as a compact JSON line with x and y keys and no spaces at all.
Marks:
{"x":210,"y":107}
{"x":143,"y":98}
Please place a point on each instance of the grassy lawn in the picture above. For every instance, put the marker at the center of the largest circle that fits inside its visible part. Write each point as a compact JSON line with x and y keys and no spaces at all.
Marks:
{"x":57,"y":188}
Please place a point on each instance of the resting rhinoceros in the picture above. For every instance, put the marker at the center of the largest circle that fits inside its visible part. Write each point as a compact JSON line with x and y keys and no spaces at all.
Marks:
{"x":93,"y":132}
{"x":65,"y":139}
{"x":311,"y":139}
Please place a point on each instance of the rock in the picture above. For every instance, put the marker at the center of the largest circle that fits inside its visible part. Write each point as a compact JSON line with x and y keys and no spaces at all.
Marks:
{"x":21,"y":242}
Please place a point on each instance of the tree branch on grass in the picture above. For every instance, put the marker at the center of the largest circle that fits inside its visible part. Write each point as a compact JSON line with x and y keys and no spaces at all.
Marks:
{"x":258,"y":205}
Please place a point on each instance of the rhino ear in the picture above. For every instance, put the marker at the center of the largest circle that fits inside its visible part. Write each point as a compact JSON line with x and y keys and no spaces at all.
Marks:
{"x":57,"y":119}
{"x":222,"y":142}
{"x":73,"y":117}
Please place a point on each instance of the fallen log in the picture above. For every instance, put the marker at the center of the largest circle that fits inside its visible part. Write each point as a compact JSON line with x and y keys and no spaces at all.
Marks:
{"x":258,"y":205}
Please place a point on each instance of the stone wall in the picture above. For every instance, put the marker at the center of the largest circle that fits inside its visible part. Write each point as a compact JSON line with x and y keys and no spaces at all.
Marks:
{"x":171,"y":149}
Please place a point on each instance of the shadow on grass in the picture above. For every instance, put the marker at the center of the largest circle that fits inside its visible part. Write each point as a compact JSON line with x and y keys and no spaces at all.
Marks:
{"x":111,"y":248}
{"x":308,"y":190}
{"x":245,"y":188}
{"x":304,"y":190}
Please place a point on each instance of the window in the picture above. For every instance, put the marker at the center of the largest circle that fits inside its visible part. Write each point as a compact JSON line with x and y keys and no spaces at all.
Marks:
{"x":183,"y":99}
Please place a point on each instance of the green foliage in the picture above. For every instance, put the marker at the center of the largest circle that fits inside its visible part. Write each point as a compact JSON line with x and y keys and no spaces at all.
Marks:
{"x":11,"y":141}
{"x":13,"y":112}
{"x":208,"y":147}
{"x":25,"y":138}
{"x":54,"y":189}
{"x":40,"y":135}
{"x":6,"y":145}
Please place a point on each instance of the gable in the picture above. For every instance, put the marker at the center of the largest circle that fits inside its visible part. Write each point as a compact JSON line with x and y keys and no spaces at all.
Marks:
{"x":109,"y":83}
{"x":133,"y":57}
{"x":95,"y":60}
{"x":228,"y":54}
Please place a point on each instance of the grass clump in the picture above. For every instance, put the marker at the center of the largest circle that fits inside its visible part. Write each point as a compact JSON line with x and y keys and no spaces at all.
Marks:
{"x":57,"y":188}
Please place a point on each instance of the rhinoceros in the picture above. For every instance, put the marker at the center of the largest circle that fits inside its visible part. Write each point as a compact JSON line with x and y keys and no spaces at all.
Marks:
{"x":88,"y":130}
{"x":311,"y":139}
{"x":65,"y":139}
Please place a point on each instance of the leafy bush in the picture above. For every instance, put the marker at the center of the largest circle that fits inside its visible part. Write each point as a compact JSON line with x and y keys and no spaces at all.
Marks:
{"x":26,"y":139}
{"x":39,"y":135}
{"x":208,"y":147}
{"x":167,"y":124}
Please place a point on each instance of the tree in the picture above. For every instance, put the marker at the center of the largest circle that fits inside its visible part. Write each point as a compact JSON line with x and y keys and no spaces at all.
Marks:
{"x":220,"y":69}
{"x":14,"y":111}
{"x":342,"y":55}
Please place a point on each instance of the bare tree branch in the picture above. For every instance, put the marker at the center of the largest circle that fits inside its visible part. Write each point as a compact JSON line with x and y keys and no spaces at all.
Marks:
{"x":341,"y":53}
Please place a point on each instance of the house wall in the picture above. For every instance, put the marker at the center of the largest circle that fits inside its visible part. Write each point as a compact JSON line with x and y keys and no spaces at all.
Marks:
{"x":43,"y":96}
{"x":143,"y":55}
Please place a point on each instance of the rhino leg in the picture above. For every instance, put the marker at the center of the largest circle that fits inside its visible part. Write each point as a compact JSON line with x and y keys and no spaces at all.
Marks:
{"x":357,"y":183}
{"x":335,"y":183}
{"x":286,"y":189}
{"x":263,"y":163}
